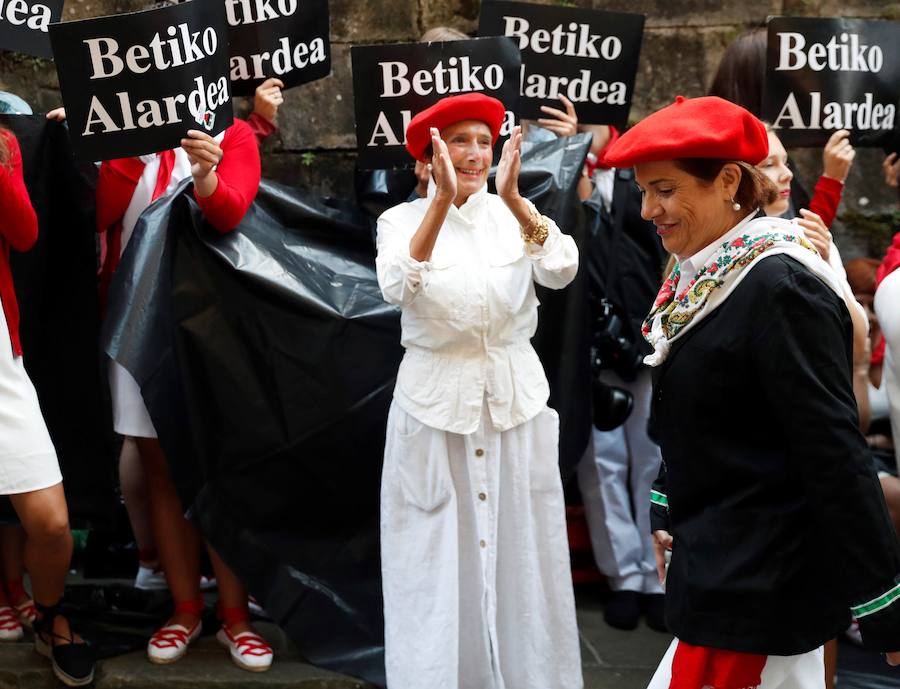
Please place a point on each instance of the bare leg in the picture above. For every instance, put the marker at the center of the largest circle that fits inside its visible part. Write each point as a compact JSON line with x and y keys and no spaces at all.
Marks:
{"x":831,"y":651}
{"x":232,"y":593}
{"x":137,"y":500}
{"x":48,"y":545}
{"x":12,"y":560}
{"x":177,"y":540}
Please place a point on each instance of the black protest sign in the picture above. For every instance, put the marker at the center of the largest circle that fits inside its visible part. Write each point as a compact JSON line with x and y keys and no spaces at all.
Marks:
{"x":135,"y":83}
{"x":23,"y":25}
{"x":391,"y":83}
{"x":828,"y":74}
{"x":588,"y":56}
{"x":287,"y":39}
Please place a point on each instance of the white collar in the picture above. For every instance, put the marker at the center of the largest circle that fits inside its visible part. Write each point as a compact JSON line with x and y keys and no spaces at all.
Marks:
{"x":692,"y":264}
{"x":472,"y":204}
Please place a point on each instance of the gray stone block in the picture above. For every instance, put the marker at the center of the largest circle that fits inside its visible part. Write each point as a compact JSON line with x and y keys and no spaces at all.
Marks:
{"x":320,"y":115}
{"x":458,"y":14}
{"x":327,"y":173}
{"x":841,"y":8}
{"x":693,"y":12}
{"x":373,"y":21}
{"x":676,"y":62}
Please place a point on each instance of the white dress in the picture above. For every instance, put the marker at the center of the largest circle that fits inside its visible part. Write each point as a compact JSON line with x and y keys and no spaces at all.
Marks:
{"x":475,"y":560}
{"x":27,"y":457}
{"x":130,"y":416}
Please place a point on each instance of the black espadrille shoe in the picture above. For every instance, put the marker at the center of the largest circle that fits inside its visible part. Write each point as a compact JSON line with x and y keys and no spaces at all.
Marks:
{"x":73,"y":661}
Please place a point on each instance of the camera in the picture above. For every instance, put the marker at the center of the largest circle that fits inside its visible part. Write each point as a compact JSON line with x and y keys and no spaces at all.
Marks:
{"x":612,"y":343}
{"x":612,"y":348}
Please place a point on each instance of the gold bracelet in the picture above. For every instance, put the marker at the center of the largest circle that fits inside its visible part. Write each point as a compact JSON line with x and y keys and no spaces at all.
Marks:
{"x":537,"y":230}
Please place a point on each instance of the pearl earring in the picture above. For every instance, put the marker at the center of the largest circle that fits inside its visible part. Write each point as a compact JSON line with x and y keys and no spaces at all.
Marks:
{"x":735,"y":205}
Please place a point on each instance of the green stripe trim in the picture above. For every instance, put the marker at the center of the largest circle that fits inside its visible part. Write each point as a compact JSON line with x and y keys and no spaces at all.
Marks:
{"x":876,"y":604}
{"x":658,"y":498}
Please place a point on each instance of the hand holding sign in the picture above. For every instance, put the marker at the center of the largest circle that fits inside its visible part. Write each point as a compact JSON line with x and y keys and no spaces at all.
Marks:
{"x":838,"y":155}
{"x":204,"y":154}
{"x":268,"y":98}
{"x":560,"y":123}
{"x":588,"y":57}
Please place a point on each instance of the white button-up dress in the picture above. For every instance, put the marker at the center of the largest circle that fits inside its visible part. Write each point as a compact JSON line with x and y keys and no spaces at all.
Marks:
{"x":475,"y":561}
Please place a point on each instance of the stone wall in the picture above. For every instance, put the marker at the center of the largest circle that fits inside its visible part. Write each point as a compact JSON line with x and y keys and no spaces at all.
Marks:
{"x":683,"y":42}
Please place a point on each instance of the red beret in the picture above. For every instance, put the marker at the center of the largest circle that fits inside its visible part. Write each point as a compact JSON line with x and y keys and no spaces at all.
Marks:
{"x":450,"y":110}
{"x":707,"y":127}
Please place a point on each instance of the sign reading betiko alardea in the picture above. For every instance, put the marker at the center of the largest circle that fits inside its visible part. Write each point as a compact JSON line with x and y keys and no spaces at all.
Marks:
{"x":135,"y":83}
{"x":391,"y":83}
{"x":588,"y":56}
{"x":24,"y":23}
{"x":828,"y":74}
{"x":287,"y":39}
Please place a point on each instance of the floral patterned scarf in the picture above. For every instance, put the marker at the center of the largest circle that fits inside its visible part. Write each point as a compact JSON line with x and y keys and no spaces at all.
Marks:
{"x":674,"y":314}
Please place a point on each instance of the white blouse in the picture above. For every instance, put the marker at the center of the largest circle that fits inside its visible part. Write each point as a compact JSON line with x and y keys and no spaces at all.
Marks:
{"x":469,"y":313}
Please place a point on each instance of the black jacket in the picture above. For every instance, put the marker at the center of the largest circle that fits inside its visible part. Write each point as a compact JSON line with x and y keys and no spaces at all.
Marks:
{"x":778,"y":519}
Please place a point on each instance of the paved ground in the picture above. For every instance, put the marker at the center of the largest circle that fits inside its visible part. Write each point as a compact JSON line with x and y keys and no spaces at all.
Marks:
{"x":612,"y":660}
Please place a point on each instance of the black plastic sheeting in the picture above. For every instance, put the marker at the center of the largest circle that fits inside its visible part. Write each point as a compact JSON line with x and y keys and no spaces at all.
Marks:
{"x":56,"y":288}
{"x":267,"y":359}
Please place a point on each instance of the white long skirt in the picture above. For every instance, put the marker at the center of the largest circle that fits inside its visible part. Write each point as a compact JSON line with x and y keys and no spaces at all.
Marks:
{"x":27,"y":456}
{"x":804,"y":671}
{"x":475,"y":558}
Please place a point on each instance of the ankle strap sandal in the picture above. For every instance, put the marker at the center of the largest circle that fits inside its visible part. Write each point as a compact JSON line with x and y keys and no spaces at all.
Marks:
{"x":10,"y":627}
{"x":24,"y":608}
{"x":248,"y":650}
{"x":170,"y":642}
{"x":72,"y":660}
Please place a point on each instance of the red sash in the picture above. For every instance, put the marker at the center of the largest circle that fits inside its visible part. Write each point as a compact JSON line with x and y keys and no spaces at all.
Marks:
{"x":698,"y":667}
{"x":115,"y":187}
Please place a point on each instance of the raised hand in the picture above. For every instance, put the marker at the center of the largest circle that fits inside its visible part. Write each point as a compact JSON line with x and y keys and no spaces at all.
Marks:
{"x":268,"y":98}
{"x":205,"y":155}
{"x":57,"y":115}
{"x":507,"y":179}
{"x":442,"y":167}
{"x":560,"y":123}
{"x":838,"y":155}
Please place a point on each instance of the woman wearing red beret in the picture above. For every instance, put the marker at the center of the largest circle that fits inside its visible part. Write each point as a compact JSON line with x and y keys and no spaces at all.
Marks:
{"x":475,"y":564}
{"x":29,"y":471}
{"x":766,"y":497}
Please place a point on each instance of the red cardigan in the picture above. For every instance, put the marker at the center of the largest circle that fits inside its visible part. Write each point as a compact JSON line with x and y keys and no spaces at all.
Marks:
{"x":238,"y":173}
{"x":826,"y":199}
{"x":18,"y":229}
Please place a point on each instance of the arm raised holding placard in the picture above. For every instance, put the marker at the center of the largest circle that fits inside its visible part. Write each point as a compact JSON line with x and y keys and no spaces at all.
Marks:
{"x":226,"y":176}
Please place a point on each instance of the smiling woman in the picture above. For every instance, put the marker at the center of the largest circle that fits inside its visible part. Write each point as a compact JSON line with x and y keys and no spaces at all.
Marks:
{"x":477,"y":588}
{"x":751,"y":327}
